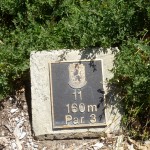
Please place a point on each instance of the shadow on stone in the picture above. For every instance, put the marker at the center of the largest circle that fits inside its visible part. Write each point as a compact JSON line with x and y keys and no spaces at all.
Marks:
{"x":112,"y":97}
{"x":27,"y":84}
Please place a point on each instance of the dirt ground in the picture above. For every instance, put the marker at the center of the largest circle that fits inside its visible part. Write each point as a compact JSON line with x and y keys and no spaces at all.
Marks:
{"x":16,"y":132}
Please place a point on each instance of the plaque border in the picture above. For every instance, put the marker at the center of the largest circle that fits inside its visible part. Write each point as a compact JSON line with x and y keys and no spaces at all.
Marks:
{"x":51,"y":97}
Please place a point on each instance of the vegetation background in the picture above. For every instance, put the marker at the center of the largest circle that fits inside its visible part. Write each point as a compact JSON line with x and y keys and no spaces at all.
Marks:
{"x":55,"y":24}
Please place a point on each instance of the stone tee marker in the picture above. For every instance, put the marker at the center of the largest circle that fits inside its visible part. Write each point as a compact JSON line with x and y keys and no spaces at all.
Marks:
{"x":68,"y":95}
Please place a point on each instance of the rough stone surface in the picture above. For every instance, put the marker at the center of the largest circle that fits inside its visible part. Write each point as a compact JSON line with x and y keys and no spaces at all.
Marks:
{"x":40,"y":92}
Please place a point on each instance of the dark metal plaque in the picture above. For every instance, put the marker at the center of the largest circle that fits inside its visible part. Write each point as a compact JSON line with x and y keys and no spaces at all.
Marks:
{"x":77,"y":96}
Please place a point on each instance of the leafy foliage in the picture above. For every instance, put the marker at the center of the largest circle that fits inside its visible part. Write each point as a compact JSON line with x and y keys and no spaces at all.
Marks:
{"x":54,"y":24}
{"x":132,"y":78}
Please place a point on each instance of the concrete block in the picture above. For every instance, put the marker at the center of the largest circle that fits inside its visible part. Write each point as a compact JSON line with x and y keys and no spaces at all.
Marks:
{"x":40,"y":93}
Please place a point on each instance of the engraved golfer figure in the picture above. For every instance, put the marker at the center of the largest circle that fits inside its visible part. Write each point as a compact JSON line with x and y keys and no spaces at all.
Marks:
{"x":77,"y":77}
{"x":77,"y":73}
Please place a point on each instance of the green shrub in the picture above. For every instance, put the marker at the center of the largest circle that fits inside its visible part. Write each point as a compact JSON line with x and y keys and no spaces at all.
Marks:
{"x":132,"y":79}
